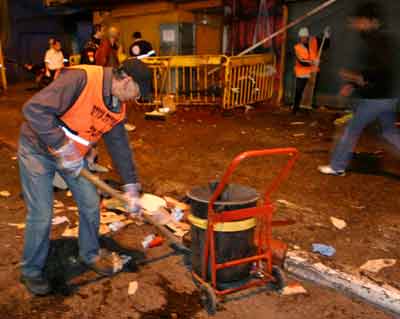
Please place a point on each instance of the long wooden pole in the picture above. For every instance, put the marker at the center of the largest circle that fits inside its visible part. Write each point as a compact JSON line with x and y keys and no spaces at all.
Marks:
{"x":289,"y":26}
{"x":283,"y":30}
{"x":2,"y":70}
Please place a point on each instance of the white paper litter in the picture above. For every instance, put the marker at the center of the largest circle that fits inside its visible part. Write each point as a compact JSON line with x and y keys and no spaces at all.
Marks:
{"x":376,"y":265}
{"x":294,"y":289}
{"x":338,"y":223}
{"x":60,"y":220}
{"x":132,"y":288}
{"x":5,"y":194}
{"x":152,"y":203}
{"x":58,"y":204}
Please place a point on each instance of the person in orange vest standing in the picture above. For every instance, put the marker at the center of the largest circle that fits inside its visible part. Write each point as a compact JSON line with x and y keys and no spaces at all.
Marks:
{"x":62,"y":123}
{"x":306,"y":54}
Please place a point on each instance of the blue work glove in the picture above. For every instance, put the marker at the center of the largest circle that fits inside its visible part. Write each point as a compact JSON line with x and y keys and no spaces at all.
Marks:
{"x":69,"y":160}
{"x":132,"y":194}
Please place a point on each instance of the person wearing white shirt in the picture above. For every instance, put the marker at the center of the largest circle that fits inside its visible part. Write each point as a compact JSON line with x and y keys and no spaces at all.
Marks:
{"x":54,"y":60}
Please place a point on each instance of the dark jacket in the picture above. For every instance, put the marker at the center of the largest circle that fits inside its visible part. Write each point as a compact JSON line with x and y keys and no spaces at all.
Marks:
{"x":378,"y":65}
{"x":140,"y":47}
{"x":43,"y":110}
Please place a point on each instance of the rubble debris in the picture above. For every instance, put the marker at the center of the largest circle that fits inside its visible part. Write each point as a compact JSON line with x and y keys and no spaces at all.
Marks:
{"x":129,"y":127}
{"x":173,"y":203}
{"x":151,"y":241}
{"x":338,"y":223}
{"x":152,"y":203}
{"x":14,"y":158}
{"x":5,"y":194}
{"x":177,"y":214}
{"x":324,"y":250}
{"x":104,"y":229}
{"x":299,"y":135}
{"x":303,"y":265}
{"x":59,"y":220}
{"x":59,"y":210}
{"x":376,"y":265}
{"x":110,"y":217}
{"x":17,"y":225}
{"x":72,"y":208}
{"x":177,"y":229}
{"x":132,"y":288}
{"x":297,"y":123}
{"x":71,"y":232}
{"x":162,"y":216}
{"x":293,"y":289}
{"x":69,"y":194}
{"x":293,"y":206}
{"x":58,"y":204}
{"x":115,"y":226}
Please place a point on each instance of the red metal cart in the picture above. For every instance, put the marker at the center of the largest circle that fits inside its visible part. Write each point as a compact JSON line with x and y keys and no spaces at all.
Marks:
{"x":263,"y":259}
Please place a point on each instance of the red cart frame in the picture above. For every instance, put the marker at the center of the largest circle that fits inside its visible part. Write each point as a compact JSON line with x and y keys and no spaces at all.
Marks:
{"x":263,"y":214}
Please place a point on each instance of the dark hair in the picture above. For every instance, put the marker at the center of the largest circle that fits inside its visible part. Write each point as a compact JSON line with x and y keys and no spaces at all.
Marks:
{"x":137,"y":35}
{"x":119,"y":73}
{"x":370,"y":10}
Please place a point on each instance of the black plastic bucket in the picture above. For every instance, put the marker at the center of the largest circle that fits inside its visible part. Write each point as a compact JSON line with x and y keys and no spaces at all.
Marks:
{"x":232,"y":240}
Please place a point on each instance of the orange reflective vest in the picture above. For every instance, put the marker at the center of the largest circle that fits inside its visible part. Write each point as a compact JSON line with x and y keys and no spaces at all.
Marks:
{"x":304,"y":54}
{"x":89,"y":118}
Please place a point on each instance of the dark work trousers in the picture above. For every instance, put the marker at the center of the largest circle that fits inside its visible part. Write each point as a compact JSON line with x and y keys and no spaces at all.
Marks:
{"x":300,"y":86}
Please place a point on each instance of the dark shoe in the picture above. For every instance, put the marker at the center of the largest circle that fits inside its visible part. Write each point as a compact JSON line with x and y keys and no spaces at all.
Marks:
{"x":39,"y":286}
{"x":104,"y":263}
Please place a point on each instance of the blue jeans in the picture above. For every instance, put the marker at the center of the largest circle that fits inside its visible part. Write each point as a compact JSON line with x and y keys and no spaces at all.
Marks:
{"x":366,"y":112}
{"x":37,"y":170}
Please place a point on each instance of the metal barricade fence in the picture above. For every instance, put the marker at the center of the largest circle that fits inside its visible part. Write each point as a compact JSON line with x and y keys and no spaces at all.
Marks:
{"x":248,"y":79}
{"x":215,"y":80}
{"x":187,"y":78}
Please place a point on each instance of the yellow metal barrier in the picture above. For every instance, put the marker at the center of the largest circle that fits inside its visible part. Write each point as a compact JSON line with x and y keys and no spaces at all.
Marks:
{"x":248,"y":79}
{"x":213,"y":79}
{"x":187,"y":78}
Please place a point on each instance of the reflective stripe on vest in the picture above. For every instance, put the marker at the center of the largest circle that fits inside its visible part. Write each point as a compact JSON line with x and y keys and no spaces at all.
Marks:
{"x":304,"y":54}
{"x":89,"y":118}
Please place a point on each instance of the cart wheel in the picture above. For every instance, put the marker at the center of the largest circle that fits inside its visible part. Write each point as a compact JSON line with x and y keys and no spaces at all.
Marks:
{"x":280,"y":279}
{"x":208,"y":299}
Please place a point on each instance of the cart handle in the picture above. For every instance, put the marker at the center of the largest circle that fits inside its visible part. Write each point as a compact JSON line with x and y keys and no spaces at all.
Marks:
{"x":276,"y":182}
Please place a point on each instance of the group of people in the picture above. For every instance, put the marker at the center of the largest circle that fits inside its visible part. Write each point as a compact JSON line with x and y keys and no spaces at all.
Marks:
{"x":104,"y":48}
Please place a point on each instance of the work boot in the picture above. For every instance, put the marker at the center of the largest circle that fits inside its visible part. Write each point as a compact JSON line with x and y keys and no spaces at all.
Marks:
{"x":39,"y":286}
{"x":105,"y":263}
{"x":328,"y":170}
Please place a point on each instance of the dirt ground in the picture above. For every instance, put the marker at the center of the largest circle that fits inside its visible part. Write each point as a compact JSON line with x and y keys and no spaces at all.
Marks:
{"x":192,"y":148}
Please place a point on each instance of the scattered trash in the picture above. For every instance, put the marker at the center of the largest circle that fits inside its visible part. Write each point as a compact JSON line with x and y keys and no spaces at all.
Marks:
{"x":299,"y":135}
{"x":323,"y":250}
{"x":162,"y":216}
{"x":132,"y":288}
{"x":18,"y":225}
{"x":72,"y":208}
{"x":110,"y":217}
{"x":376,"y":265}
{"x":338,"y":223}
{"x":59,"y":210}
{"x":152,"y":203}
{"x":297,"y":123}
{"x":14,"y":158}
{"x":293,"y":206}
{"x":71,"y":232}
{"x":293,"y":289}
{"x":177,"y":228}
{"x":59,"y":220}
{"x":69,"y":194}
{"x":115,"y":226}
{"x":5,"y":194}
{"x":97,"y":168}
{"x":343,"y":120}
{"x":151,"y":241}
{"x":104,"y":229}
{"x":172,"y":203}
{"x":129,"y":127}
{"x":177,"y":214}
{"x":58,"y":204}
{"x":296,"y":247}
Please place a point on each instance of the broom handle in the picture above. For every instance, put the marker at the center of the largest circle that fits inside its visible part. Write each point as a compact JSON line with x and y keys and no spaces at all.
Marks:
{"x":118,"y":195}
